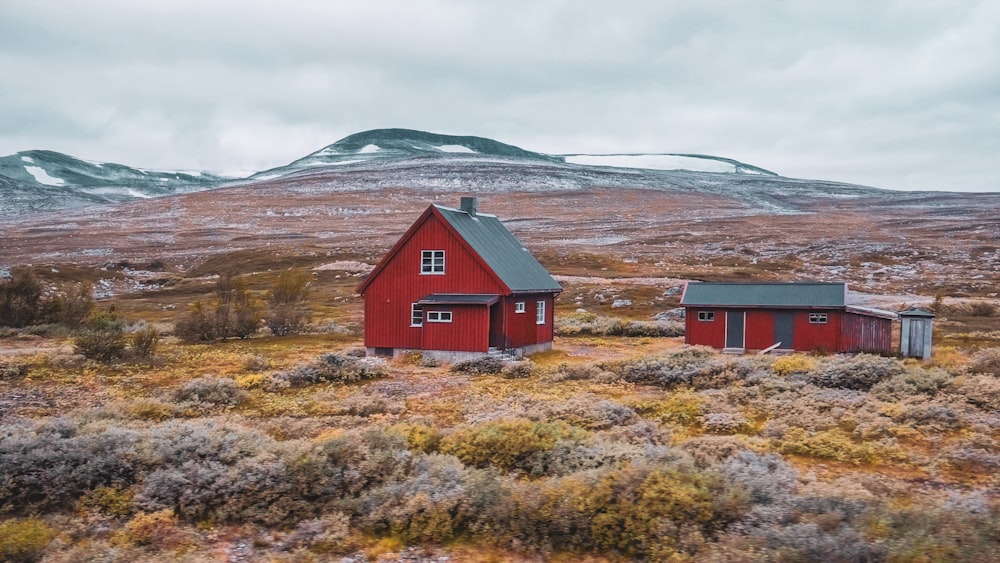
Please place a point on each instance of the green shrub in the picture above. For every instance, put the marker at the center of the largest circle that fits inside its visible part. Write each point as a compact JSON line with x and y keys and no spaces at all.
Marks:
{"x":144,"y":341}
{"x":507,"y":444}
{"x":914,"y":381}
{"x":23,"y":540}
{"x":837,"y":444}
{"x":20,"y":296}
{"x":103,"y":339}
{"x":287,"y":312}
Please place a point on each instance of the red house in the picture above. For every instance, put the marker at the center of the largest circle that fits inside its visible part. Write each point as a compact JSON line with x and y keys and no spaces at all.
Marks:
{"x":456,"y":286}
{"x":782,"y":316}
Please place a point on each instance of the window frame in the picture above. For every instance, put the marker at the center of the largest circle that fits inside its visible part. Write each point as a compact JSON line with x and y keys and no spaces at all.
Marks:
{"x":819,"y":318}
{"x":706,"y":316}
{"x":432,"y":262}
{"x":439,"y":316}
{"x":519,"y":307}
{"x":540,"y":312}
{"x":415,"y":309}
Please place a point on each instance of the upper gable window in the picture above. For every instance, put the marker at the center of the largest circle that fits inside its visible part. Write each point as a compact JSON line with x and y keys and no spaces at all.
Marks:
{"x":432,"y":262}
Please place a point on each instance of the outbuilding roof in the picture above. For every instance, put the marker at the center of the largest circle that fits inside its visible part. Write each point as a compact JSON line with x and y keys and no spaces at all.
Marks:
{"x":501,"y":251}
{"x":789,"y":295}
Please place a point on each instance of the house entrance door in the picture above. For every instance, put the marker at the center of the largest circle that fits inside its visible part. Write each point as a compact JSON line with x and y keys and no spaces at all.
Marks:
{"x":735,"y":321}
{"x":496,"y":325}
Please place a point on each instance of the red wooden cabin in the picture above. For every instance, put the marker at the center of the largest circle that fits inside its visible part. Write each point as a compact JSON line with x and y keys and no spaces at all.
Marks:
{"x":783,"y":316}
{"x":458,"y":285}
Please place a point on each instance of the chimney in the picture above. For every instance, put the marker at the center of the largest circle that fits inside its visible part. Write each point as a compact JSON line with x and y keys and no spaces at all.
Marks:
{"x":469,"y":206}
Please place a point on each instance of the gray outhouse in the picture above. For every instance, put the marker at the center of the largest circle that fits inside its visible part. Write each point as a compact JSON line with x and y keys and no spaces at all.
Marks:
{"x":917,"y":326}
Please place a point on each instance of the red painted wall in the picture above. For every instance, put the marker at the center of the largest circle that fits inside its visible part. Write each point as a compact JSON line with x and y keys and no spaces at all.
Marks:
{"x":468,"y":331}
{"x":399,"y":284}
{"x":843,"y":331}
{"x":705,"y":333}
{"x":521,"y":328}
{"x":863,"y":333}
{"x":759,"y":328}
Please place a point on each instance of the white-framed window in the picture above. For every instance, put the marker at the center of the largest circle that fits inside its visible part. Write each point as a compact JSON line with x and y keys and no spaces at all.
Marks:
{"x":519,"y":307}
{"x":439,"y":316}
{"x":540,"y":312}
{"x":707,"y":316}
{"x":432,"y":262}
{"x":817,"y":318}
{"x":416,"y":315}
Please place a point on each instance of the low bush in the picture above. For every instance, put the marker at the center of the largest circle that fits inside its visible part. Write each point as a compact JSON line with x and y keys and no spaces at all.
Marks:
{"x":589,"y":324}
{"x":838,"y":445}
{"x":23,"y":540}
{"x":486,"y":365}
{"x":335,"y":368}
{"x":507,"y":444}
{"x":860,"y":372}
{"x":144,"y":342}
{"x":210,"y":390}
{"x":579,"y":372}
{"x":912,"y":382}
{"x":787,"y":365}
{"x":986,"y":361}
{"x":679,"y":368}
{"x":519,"y":370}
{"x":103,"y":339}
{"x":982,"y":309}
{"x":155,"y":529}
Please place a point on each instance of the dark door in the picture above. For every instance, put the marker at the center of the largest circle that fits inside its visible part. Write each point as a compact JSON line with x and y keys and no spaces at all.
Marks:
{"x":734,"y":329}
{"x":496,"y":325}
{"x":784,"y":329}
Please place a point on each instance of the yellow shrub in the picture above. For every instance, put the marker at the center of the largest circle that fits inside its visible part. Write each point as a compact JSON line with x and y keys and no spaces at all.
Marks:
{"x":787,"y":365}
{"x":148,"y":528}
{"x":24,"y":539}
{"x":507,"y":444}
{"x":251,"y":381}
{"x":837,"y":444}
{"x":419,"y":437}
{"x":107,"y":500}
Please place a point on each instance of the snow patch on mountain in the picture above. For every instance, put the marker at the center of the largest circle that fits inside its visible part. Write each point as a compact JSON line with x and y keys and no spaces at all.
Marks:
{"x":42,"y":177}
{"x":454,"y":148}
{"x":368,"y":149}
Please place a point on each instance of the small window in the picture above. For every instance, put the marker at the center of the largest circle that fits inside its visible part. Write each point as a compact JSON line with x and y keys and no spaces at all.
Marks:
{"x":519,"y":307}
{"x":707,"y":316}
{"x":439,"y":316}
{"x":416,"y":315}
{"x":540,"y":313}
{"x":432,"y":262}
{"x":817,"y":318}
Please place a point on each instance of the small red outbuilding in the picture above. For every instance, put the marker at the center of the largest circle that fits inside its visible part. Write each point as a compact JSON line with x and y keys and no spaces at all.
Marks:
{"x":458,"y":285}
{"x":782,"y":316}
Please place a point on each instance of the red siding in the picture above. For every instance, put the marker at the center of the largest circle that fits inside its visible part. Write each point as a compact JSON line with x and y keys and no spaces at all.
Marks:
{"x":864,"y":333}
{"x":817,"y":336}
{"x":468,"y":331}
{"x":522,"y":328}
{"x":843,"y":331}
{"x":705,"y":333}
{"x":759,"y":329}
{"x":399,"y":284}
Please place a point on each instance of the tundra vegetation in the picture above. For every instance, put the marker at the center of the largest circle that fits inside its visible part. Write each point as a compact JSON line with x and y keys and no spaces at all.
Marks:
{"x":620,"y":444}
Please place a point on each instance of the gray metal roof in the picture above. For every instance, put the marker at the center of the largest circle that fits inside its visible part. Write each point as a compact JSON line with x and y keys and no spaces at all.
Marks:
{"x":460,"y":299}
{"x":799,"y":294}
{"x":501,"y":251}
{"x":917,"y":313}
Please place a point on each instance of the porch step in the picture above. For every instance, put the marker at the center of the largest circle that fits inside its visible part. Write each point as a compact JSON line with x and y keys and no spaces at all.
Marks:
{"x":506,"y":355}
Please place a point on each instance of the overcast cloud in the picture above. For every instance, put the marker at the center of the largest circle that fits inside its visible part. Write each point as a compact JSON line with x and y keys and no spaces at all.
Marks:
{"x":901,"y":95}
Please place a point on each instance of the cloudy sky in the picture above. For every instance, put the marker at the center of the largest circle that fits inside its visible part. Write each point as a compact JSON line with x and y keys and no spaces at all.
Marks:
{"x":894,"y":94}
